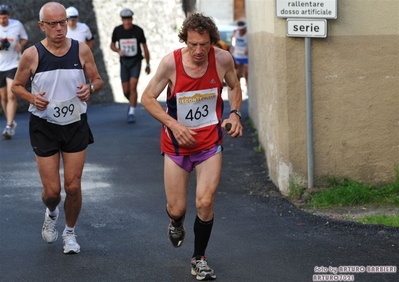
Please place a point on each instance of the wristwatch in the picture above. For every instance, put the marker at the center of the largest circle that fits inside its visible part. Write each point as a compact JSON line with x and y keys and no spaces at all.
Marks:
{"x":237,"y":112}
{"x":92,"y":89}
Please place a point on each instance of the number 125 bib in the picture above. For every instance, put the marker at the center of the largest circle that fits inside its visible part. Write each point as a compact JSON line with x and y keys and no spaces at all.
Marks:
{"x":197,"y":109}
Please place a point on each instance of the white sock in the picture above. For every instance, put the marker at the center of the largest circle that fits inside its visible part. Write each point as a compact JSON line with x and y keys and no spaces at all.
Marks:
{"x":131,"y":111}
{"x":53,"y":213}
{"x":69,"y":230}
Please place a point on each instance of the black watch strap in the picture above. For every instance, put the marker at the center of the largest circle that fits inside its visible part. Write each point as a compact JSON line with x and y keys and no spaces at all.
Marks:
{"x":237,"y":112}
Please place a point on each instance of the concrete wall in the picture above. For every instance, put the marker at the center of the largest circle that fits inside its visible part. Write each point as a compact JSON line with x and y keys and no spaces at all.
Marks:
{"x":222,"y":11}
{"x":355,"y":93}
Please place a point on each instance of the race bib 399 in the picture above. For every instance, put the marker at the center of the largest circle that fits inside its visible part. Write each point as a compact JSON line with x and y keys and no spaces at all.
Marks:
{"x":63,"y":112}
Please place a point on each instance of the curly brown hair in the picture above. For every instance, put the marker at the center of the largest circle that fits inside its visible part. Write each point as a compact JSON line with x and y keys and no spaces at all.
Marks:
{"x":199,"y":23}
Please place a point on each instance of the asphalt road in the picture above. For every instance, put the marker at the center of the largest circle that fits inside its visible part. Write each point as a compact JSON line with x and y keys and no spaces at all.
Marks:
{"x":257,"y":236}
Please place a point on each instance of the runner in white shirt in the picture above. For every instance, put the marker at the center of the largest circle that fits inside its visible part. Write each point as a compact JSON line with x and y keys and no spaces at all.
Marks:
{"x":239,"y":50}
{"x":77,"y":30}
{"x":12,"y":39}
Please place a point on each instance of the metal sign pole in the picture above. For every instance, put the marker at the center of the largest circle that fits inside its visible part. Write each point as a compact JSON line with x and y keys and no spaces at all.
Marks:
{"x":309,"y":114}
{"x":307,"y":19}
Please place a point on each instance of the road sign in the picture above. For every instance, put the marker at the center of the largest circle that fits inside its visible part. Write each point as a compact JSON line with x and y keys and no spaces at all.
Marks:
{"x":307,"y":28}
{"x":321,"y":9}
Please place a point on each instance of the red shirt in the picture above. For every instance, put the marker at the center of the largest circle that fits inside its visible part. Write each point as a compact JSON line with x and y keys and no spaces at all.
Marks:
{"x":196,"y":103}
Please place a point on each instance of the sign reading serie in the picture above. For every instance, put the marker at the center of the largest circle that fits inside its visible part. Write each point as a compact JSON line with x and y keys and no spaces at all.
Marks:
{"x":307,"y":28}
{"x":323,"y":9}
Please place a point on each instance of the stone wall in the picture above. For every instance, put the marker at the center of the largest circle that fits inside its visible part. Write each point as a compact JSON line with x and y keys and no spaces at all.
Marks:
{"x":160,"y":20}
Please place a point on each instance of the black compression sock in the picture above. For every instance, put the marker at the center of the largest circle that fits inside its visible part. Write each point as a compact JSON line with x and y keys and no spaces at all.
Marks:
{"x":202,"y":233}
{"x":176,"y":221}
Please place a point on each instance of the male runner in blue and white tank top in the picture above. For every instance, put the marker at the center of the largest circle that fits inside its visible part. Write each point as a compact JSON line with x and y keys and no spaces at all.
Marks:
{"x":58,"y":126}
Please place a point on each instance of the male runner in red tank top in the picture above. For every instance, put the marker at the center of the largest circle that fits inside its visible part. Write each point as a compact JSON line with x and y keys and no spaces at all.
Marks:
{"x":192,"y":131}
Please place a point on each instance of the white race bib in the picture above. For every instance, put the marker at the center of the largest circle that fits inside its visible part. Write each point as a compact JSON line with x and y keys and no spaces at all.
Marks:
{"x":240,"y":52}
{"x":129,"y":46}
{"x":63,"y":112}
{"x":197,"y":109}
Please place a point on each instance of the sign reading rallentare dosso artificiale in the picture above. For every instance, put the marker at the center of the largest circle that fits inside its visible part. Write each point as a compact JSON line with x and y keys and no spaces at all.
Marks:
{"x":322,"y":9}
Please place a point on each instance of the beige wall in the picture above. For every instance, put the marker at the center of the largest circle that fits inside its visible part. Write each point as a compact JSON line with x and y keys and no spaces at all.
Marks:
{"x":355,"y":73}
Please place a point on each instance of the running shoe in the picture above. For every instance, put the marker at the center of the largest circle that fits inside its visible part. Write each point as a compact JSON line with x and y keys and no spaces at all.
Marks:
{"x":70,"y":244}
{"x":14,"y":125}
{"x":200,"y":269}
{"x":9,"y":131}
{"x":49,"y":230}
{"x":176,"y":234}
{"x":5,"y":133}
{"x":131,"y":119}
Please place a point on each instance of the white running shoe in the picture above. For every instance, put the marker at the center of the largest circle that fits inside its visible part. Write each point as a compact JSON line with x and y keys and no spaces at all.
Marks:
{"x":14,"y":125}
{"x":49,"y":230}
{"x":201,"y":270}
{"x":70,"y":244}
{"x":9,"y":131}
{"x":4,"y":133}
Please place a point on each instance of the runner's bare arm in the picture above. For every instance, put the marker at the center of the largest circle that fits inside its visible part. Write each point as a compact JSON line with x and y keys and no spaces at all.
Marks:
{"x":26,"y":69}
{"x":147,"y":58}
{"x":91,"y":71}
{"x":235,"y":94}
{"x":116,"y":49}
{"x":20,"y":45}
{"x":162,"y":78}
{"x":226,"y":67}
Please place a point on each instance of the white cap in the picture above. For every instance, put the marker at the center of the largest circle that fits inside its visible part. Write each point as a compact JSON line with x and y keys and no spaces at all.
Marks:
{"x":72,"y":12}
{"x":126,"y":13}
{"x":241,"y":24}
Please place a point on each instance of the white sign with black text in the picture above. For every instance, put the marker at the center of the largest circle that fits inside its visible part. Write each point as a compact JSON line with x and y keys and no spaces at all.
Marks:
{"x":321,"y":9}
{"x":307,"y":28}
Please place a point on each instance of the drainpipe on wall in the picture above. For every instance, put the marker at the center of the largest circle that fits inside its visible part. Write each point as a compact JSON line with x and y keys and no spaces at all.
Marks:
{"x":309,"y":114}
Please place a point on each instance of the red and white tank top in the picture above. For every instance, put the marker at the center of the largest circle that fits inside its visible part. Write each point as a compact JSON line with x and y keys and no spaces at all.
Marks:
{"x":196,"y":103}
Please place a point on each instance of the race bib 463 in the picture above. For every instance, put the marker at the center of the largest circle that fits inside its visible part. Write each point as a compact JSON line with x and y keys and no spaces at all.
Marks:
{"x":197,"y":109}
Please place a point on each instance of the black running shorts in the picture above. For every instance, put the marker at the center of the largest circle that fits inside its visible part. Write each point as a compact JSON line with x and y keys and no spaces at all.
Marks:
{"x":130,"y":67}
{"x":48,"y":139}
{"x":6,"y":74}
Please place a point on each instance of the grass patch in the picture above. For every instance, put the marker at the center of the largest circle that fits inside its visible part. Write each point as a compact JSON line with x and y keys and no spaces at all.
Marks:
{"x":352,"y":193}
{"x":380,"y":219}
{"x":296,"y":190}
{"x":258,"y":148}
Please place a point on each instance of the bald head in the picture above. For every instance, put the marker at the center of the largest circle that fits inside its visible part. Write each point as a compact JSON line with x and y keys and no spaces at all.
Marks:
{"x":51,"y":8}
